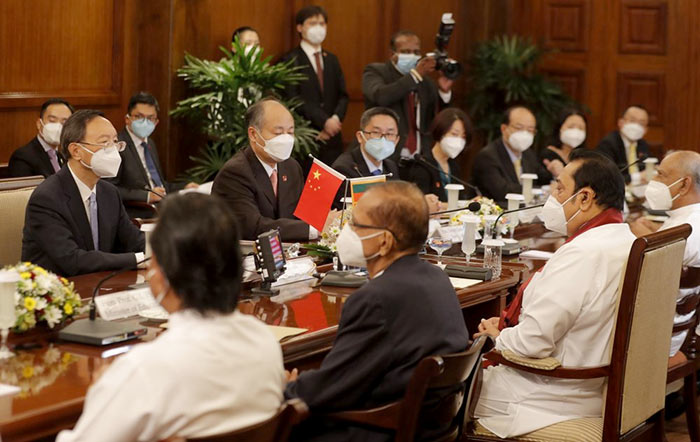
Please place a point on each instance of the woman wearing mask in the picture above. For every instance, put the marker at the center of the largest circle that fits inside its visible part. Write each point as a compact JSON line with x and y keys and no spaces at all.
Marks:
{"x":568,"y":134}
{"x":451,"y":132}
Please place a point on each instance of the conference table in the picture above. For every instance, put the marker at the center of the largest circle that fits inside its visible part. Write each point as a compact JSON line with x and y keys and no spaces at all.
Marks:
{"x":55,"y":375}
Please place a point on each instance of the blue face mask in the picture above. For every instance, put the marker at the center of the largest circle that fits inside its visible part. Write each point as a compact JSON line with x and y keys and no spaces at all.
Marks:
{"x":143,"y":128}
{"x":379,"y":148}
{"x":406,"y":62}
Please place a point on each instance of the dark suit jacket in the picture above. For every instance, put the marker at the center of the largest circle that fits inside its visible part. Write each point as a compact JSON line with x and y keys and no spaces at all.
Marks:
{"x":57,"y":233}
{"x":353,"y":165}
{"x":132,"y":178}
{"x":493,"y":172}
{"x":317,"y":106}
{"x":384,"y":85}
{"x":428,"y":179}
{"x":32,"y":159}
{"x":244,"y":183}
{"x":386,"y":328}
{"x":613,"y":147}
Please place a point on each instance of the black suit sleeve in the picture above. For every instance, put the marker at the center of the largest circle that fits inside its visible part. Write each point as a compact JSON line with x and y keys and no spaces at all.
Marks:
{"x":342,"y":106}
{"x":127,"y":193}
{"x":380,"y":93}
{"x":608,"y":149}
{"x":50,"y":230}
{"x":131,"y":239}
{"x":19,"y":166}
{"x":491,"y":179}
{"x":360,"y":353}
{"x":237,"y":190}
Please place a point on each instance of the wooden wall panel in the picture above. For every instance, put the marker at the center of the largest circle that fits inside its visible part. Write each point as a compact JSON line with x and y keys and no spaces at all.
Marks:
{"x":643,"y":27}
{"x":645,"y":88}
{"x":566,"y":25}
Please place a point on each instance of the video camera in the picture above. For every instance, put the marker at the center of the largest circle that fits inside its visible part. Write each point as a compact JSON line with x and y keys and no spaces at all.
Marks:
{"x":449,"y":67}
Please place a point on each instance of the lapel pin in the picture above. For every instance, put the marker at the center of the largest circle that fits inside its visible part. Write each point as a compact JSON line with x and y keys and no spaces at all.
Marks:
{"x":284,"y":177}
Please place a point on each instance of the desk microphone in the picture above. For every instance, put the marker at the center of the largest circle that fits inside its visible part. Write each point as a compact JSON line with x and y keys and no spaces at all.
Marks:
{"x":519,"y":209}
{"x":474,"y":206}
{"x":640,"y":160}
{"x":148,"y":189}
{"x":93,"y":307}
{"x":419,"y":158}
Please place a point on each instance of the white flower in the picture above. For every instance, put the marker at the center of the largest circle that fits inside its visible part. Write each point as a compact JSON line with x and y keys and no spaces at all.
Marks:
{"x":44,"y":283}
{"x":53,"y":315}
{"x":41,"y":304}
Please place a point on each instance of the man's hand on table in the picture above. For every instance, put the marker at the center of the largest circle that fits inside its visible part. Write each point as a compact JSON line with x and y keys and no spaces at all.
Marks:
{"x":488,"y":327}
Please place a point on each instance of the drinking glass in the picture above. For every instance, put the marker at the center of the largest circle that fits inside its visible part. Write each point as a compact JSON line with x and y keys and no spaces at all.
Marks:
{"x":439,"y":244}
{"x":8,"y":286}
{"x":469,"y":239}
{"x":492,"y":256}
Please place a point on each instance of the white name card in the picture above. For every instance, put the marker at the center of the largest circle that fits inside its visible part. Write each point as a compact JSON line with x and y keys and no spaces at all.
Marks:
{"x":455,"y":233}
{"x":125,"y":304}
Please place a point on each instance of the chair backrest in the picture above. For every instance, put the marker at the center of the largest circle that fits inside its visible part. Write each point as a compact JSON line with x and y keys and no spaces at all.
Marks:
{"x":14,"y":205}
{"x":20,"y":182}
{"x":275,"y":429}
{"x":446,"y":379}
{"x":642,"y":336}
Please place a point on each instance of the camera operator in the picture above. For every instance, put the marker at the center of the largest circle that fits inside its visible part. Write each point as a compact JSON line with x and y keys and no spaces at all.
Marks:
{"x":403,"y":84}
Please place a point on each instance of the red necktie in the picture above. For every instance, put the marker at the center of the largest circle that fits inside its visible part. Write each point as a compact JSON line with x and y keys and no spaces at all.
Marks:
{"x":273,"y":180}
{"x":319,"y":69}
{"x":411,"y":143}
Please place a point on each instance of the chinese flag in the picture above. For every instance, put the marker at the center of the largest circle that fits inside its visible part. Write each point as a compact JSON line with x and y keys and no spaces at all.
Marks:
{"x":320,"y":189}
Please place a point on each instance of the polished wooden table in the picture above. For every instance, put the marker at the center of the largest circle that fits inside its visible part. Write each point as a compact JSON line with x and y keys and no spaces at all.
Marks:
{"x":55,"y":375}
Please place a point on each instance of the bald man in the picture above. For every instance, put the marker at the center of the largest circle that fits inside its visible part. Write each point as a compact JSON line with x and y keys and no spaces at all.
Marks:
{"x":408,"y":310}
{"x":262,"y":182}
{"x":676,"y":189}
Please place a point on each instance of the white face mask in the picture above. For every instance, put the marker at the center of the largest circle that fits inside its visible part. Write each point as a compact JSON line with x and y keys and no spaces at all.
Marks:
{"x":633,"y":131}
{"x":452,"y":146}
{"x":105,"y":162}
{"x":521,"y":140}
{"x":553,"y":214}
{"x":51,"y":133}
{"x":349,"y":246}
{"x":316,"y":34}
{"x":161,"y":295}
{"x":572,"y":137}
{"x":658,"y":195}
{"x":278,"y":148}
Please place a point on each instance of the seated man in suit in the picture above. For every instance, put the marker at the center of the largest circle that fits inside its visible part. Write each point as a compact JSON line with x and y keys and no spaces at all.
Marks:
{"x":215,"y":370}
{"x":323,"y":95}
{"x":407,"y":311}
{"x":403,"y":84}
{"x":626,"y":145}
{"x":498,"y":166}
{"x":567,"y":309}
{"x":261,"y":182}
{"x":676,"y":189}
{"x":140,"y":168}
{"x":75,"y":222}
{"x":40,"y":156}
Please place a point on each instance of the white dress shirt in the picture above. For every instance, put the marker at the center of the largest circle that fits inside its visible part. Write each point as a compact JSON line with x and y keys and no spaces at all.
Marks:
{"x":691,"y":258}
{"x":44,"y":144}
{"x":202,"y":377}
{"x":370,"y":165}
{"x":142,"y":154}
{"x":568,"y":313}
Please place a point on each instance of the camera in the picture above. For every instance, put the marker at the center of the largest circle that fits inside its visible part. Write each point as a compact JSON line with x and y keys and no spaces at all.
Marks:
{"x":449,"y":67}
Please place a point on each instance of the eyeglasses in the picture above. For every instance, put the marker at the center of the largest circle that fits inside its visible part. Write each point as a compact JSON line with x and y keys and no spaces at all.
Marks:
{"x":151,"y":118}
{"x":119,"y":145}
{"x":352,"y":223}
{"x":375,"y":135}
{"x":519,"y":127}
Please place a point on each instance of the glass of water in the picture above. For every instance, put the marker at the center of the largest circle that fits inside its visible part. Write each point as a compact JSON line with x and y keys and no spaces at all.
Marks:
{"x":492,"y":256}
{"x":439,"y":244}
{"x":8,"y":286}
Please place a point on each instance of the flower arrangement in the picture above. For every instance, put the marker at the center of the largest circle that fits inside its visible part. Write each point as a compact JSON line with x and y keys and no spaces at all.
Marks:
{"x":488,"y":207}
{"x":34,"y":371}
{"x":325,"y":248}
{"x":42,"y":296}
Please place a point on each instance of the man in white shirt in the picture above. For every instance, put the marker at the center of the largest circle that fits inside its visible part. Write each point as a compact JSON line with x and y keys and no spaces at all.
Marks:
{"x":215,"y":370}
{"x":75,"y":221}
{"x":678,"y":181}
{"x":568,"y":307}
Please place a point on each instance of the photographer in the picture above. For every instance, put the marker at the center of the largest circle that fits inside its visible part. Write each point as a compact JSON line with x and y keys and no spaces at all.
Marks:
{"x":402,"y":84}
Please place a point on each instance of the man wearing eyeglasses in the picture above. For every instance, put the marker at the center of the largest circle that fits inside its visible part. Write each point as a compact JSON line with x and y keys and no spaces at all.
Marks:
{"x":498,"y":167}
{"x":140,"y":163}
{"x":75,"y":222}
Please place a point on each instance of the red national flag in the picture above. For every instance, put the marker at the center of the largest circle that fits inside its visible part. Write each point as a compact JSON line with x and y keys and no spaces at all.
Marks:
{"x":320,"y":189}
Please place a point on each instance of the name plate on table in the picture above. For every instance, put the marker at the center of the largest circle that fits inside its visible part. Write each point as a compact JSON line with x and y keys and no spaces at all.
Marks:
{"x":125,"y":304}
{"x":454,"y":233}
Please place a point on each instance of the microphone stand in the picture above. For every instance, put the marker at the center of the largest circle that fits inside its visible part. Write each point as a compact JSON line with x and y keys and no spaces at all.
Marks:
{"x":422,"y":160}
{"x":98,"y":286}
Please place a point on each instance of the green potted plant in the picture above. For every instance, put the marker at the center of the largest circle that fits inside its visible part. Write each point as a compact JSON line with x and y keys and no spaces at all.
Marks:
{"x":223,"y":91}
{"x":503,"y":73}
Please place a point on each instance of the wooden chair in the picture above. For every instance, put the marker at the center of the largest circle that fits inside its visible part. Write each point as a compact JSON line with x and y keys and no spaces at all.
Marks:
{"x":636,"y":387}
{"x":20,"y":182}
{"x":275,"y":429}
{"x":408,"y":416}
{"x":14,"y":196}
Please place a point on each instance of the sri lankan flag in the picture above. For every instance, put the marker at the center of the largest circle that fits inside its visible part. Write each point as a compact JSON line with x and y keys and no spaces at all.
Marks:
{"x":359,"y":186}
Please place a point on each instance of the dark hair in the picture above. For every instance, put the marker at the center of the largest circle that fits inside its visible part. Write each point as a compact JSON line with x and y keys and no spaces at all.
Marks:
{"x":402,"y":33}
{"x":256,"y":111}
{"x":373,"y":112}
{"x":142,"y":98}
{"x":634,"y":105}
{"x":307,"y":12}
{"x":51,"y":101}
{"x":444,"y":120}
{"x":561,"y":119}
{"x":600,"y":174}
{"x":403,"y":212}
{"x":506,"y":114}
{"x":199,"y":254}
{"x":239,"y":31}
{"x":74,"y":128}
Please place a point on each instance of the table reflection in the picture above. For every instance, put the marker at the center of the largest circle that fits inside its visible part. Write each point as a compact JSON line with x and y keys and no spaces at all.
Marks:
{"x":33,"y":371}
